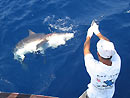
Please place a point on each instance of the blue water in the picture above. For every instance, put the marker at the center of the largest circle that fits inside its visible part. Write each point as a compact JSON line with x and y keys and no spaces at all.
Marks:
{"x":61,"y":71}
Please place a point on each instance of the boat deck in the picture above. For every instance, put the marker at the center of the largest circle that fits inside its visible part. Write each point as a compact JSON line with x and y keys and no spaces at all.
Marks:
{"x":18,"y":95}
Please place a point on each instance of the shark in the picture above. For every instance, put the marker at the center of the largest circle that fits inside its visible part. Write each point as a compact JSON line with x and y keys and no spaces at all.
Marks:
{"x":36,"y":42}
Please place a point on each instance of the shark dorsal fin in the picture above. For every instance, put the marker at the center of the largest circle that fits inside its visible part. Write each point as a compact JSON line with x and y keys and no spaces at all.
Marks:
{"x":31,"y":32}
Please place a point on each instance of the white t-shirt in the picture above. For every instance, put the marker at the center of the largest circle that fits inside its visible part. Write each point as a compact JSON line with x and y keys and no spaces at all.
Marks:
{"x":103,"y":77}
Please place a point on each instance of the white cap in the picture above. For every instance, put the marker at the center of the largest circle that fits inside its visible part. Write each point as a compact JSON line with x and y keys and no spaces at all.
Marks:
{"x":105,"y":48}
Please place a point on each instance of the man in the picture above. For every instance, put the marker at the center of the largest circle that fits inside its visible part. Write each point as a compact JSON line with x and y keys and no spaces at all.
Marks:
{"x":104,"y":72}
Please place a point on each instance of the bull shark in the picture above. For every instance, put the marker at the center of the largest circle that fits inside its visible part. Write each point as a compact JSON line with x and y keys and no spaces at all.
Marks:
{"x":39,"y":42}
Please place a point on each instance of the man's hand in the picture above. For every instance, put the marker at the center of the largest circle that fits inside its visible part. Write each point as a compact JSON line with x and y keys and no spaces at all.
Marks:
{"x":90,"y":32}
{"x":95,"y":27}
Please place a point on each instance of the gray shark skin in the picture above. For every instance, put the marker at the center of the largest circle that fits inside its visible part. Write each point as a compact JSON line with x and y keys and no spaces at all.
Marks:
{"x":35,"y":42}
{"x":31,"y":38}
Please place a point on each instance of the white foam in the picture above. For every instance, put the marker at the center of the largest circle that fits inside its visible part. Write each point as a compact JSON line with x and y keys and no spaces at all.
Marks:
{"x":59,"y":39}
{"x":61,"y":28}
{"x":128,"y":11}
{"x":56,"y":24}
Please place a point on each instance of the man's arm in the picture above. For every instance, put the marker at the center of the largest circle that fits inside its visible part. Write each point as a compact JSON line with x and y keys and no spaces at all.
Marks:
{"x":87,"y":46}
{"x":87,"y":42}
{"x":100,"y":36}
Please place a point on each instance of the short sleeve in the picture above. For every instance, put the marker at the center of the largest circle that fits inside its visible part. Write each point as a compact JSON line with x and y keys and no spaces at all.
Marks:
{"x":116,"y":57}
{"x":116,"y":60}
{"x":88,"y":57}
{"x":90,"y":63}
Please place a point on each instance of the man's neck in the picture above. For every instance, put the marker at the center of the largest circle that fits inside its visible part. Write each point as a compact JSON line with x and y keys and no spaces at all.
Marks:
{"x":106,"y":62}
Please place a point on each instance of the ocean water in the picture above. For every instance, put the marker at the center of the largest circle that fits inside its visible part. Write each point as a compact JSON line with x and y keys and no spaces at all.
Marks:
{"x":60,"y":71}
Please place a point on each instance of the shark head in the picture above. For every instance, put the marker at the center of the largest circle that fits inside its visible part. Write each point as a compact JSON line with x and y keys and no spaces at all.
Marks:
{"x":28,"y":45}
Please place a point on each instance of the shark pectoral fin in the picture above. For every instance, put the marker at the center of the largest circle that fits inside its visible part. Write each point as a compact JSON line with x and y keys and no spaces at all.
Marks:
{"x":43,"y":45}
{"x":31,"y":32}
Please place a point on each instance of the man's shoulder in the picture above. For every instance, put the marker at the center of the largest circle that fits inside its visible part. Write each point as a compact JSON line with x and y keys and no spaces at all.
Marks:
{"x":116,"y":57}
{"x":88,"y":56}
{"x":89,"y":59}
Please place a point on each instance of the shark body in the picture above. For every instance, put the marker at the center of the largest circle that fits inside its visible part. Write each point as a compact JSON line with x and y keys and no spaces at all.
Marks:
{"x":35,"y":42}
